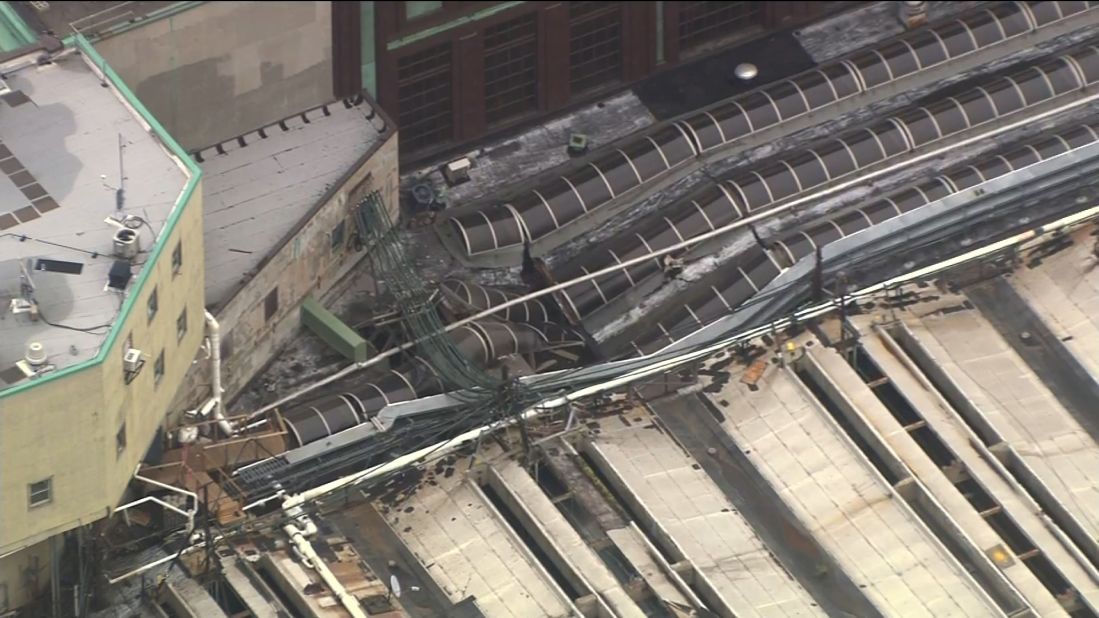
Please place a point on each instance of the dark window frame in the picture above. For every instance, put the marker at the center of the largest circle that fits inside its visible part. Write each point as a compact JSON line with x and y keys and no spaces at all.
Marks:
{"x":152,"y":305}
{"x":47,"y":490}
{"x":120,"y":439}
{"x":181,"y":325}
{"x":338,"y":236}
{"x":177,"y":258}
{"x":271,"y":304}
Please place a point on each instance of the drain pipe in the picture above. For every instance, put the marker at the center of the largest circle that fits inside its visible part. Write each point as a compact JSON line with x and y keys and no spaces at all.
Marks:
{"x":214,"y":332}
{"x":179,"y":490}
{"x":298,"y":537}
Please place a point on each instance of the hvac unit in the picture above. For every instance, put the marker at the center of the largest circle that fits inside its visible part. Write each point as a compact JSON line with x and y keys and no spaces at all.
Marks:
{"x":127,"y":244}
{"x":131,"y":361}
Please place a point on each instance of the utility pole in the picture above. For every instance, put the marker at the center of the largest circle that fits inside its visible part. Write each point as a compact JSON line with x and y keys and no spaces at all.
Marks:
{"x":818,"y":277}
{"x":55,"y":578}
{"x":81,"y":569}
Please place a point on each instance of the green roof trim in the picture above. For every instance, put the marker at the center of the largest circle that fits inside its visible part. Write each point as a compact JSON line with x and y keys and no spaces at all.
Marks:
{"x":195,"y":172}
{"x":14,"y":32}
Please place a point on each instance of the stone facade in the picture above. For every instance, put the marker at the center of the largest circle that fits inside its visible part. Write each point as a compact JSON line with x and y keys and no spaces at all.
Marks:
{"x":304,"y":263}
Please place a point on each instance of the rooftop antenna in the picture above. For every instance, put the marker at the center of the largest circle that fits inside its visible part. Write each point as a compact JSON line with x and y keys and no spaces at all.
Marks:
{"x":25,"y":303}
{"x":119,"y":194}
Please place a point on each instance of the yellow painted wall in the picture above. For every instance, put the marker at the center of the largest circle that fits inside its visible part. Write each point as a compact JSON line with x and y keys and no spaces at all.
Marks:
{"x":24,"y":575}
{"x":65,"y":428}
{"x":143,"y":404}
{"x":52,"y":430}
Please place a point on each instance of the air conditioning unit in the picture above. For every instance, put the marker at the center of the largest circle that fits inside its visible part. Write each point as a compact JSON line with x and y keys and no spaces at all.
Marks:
{"x":127,"y":244}
{"x":131,"y":361}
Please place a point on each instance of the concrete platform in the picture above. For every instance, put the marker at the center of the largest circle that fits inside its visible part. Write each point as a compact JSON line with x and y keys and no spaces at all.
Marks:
{"x":848,"y":507}
{"x":512,"y":480}
{"x":1064,"y":291}
{"x":942,"y":499}
{"x":1018,"y":405}
{"x":973,"y":458}
{"x":698,"y":518}
{"x":469,"y":551}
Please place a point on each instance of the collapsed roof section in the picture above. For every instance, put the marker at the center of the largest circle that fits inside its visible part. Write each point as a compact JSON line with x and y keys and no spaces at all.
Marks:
{"x":738,"y":282}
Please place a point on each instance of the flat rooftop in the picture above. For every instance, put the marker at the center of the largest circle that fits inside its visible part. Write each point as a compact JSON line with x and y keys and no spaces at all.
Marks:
{"x":259,"y":186}
{"x":68,"y":142}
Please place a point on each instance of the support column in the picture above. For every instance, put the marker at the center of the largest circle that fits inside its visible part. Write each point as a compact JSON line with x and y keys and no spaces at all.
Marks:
{"x":553,"y":57}
{"x":346,"y":48}
{"x":469,"y":77}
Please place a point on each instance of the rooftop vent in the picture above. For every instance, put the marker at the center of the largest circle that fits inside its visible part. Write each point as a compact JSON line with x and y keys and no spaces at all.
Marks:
{"x":746,"y":71}
{"x":578,"y":144}
{"x":35,"y":354}
{"x":33,"y":363}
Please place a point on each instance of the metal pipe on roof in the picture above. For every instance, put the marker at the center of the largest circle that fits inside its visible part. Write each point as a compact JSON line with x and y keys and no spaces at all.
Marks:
{"x":682,"y":245}
{"x":214,"y":330}
{"x":299,"y":540}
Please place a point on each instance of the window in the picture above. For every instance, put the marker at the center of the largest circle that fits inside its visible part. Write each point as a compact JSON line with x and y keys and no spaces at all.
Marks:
{"x":177,"y":258}
{"x":120,"y":439}
{"x":595,"y":45}
{"x":511,"y":67}
{"x":181,"y":325}
{"x":271,"y":305}
{"x":700,"y":22}
{"x":425,"y":115}
{"x":338,"y":234}
{"x":40,"y":492}
{"x":153,"y":305}
{"x":158,"y":368}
